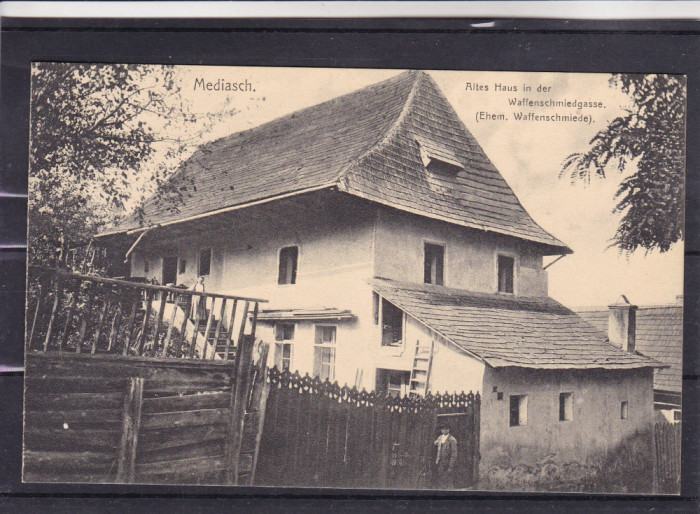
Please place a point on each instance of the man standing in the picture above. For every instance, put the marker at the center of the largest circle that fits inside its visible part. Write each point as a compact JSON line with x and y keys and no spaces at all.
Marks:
{"x":446,"y":458}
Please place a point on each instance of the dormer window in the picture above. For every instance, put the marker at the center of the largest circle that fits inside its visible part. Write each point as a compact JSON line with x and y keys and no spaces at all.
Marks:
{"x":289,"y":257}
{"x":437,"y":157}
{"x":506,"y":270}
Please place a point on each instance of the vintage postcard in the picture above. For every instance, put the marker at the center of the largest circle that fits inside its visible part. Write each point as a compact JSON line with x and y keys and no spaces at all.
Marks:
{"x":353,"y":278}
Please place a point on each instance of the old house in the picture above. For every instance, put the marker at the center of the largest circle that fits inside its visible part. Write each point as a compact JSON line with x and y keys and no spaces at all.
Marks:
{"x":657,"y":332}
{"x":395,"y":257}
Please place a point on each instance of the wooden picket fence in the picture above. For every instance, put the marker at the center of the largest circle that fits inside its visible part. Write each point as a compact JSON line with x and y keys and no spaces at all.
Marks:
{"x":127,"y":419}
{"x":667,"y":458}
{"x":72,"y":312}
{"x":318,"y":434}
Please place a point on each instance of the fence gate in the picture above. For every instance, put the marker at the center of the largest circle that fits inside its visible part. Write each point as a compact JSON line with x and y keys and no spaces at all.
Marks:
{"x":318,"y":434}
{"x":667,"y":458}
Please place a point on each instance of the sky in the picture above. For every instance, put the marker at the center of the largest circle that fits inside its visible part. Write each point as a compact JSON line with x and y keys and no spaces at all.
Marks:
{"x":528,"y":154}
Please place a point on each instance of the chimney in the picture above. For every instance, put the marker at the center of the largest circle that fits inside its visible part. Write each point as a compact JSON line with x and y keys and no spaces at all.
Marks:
{"x":622,"y":323}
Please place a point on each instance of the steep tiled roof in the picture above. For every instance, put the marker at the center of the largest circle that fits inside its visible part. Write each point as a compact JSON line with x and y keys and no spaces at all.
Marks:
{"x":659,"y":335}
{"x":367,"y":144}
{"x":509,"y":330}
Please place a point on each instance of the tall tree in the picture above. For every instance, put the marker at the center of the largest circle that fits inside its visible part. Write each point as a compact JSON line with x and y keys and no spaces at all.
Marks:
{"x":650,"y":137}
{"x":94,"y":130}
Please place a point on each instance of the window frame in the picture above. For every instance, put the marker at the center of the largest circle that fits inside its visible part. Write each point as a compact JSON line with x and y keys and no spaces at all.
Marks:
{"x":320,"y":344}
{"x":566,"y":409}
{"x":382,"y":311}
{"x":295,"y":271}
{"x":403,"y":385}
{"x":439,"y":244}
{"x":281,"y":343}
{"x":199,"y":261}
{"x":624,"y":410}
{"x":508,"y":255}
{"x":522,"y":419}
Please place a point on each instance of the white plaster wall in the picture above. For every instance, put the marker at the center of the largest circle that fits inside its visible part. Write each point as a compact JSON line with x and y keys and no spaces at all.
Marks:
{"x":155,"y":265}
{"x":596,"y":426}
{"x":470,"y":256}
{"x":455,"y":372}
{"x":452,"y":370}
{"x":334,"y":267}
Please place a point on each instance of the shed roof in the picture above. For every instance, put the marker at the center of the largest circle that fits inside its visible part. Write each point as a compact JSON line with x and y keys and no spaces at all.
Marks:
{"x":504,"y":331}
{"x":305,"y":315}
{"x":365,"y":143}
{"x":659,"y":335}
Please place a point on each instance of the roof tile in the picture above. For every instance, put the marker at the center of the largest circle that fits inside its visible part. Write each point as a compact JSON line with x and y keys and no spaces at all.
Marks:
{"x":366,"y":144}
{"x":533,"y":332}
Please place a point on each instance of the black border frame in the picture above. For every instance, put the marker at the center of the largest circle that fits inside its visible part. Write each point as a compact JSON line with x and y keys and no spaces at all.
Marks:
{"x":510,"y":44}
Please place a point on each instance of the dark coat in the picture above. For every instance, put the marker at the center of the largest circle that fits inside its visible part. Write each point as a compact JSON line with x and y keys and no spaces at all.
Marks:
{"x":446,"y":452}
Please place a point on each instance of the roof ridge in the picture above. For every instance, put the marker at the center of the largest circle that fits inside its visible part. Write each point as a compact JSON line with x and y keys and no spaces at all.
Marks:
{"x":386,"y":136}
{"x":293,"y":114}
{"x":601,"y":308}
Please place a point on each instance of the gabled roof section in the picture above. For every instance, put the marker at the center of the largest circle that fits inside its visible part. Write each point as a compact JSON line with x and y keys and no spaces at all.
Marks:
{"x":507,"y":331}
{"x":366,"y":143}
{"x":659,"y":335}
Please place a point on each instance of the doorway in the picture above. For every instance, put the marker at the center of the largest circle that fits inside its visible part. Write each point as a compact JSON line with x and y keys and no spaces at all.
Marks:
{"x":460,"y":427}
{"x":169,"y":270}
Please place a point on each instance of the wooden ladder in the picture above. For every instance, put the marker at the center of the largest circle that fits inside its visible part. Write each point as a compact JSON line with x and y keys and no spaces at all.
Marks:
{"x":422,"y":364}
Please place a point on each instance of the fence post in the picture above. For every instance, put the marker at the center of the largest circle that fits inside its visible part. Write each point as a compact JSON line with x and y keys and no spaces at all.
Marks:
{"x":259,"y":401}
{"x":654,"y":459}
{"x":239,"y":399}
{"x":131,"y":423}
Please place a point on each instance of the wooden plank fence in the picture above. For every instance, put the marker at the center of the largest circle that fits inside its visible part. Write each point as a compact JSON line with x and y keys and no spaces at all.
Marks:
{"x":667,"y":458}
{"x":321,"y":435}
{"x":117,"y":419}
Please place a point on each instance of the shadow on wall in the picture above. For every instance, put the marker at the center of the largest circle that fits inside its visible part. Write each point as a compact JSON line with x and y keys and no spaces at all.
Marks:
{"x":626,"y":469}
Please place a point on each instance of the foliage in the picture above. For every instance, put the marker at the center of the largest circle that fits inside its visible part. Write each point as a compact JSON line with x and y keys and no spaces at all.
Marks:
{"x":95,"y":130}
{"x":650,"y":135}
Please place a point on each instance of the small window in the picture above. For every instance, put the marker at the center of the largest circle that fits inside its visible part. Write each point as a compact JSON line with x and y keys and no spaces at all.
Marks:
{"x":677,"y":415}
{"x":182,"y":268}
{"x":284,"y":336}
{"x":566,"y":406}
{"x":325,"y":335}
{"x":324,"y":353}
{"x":288,"y":265}
{"x":433,"y":268}
{"x":624,"y":410}
{"x":204,"y":261}
{"x":506,"y":265}
{"x":393,"y":382}
{"x":518,"y":410}
{"x":392,"y":324}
